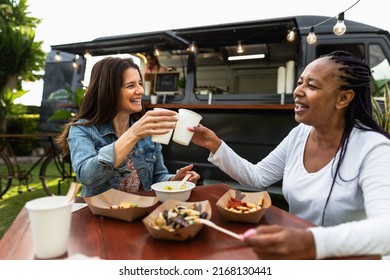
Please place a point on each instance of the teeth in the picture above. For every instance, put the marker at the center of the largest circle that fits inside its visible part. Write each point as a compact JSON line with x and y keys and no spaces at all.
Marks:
{"x":300,"y":107}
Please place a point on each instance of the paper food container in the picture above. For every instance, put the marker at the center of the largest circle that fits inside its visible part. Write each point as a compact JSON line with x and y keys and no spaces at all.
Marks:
{"x":182,"y":234}
{"x":249,"y":197}
{"x":99,"y":205}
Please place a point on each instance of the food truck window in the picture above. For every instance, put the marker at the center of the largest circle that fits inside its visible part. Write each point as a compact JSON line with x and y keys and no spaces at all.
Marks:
{"x":356,"y":49}
{"x":215,"y":73}
{"x":254,"y":72}
{"x":380,"y":68}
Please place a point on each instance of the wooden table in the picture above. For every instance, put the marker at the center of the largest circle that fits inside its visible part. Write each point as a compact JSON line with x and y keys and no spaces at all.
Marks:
{"x":113,"y":239}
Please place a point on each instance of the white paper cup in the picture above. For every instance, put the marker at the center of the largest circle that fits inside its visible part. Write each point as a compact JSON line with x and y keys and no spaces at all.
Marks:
{"x":186,"y":118}
{"x":153,"y":99}
{"x":148,"y":87}
{"x":50,"y":222}
{"x":164,"y":138}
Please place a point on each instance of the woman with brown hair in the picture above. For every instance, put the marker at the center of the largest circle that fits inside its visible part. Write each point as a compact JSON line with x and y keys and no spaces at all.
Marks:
{"x":109,"y":139}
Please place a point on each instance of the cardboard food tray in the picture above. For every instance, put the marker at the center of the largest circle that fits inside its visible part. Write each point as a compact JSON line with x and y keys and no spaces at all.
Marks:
{"x":181,"y":234}
{"x":252,"y":197}
{"x":99,"y":205}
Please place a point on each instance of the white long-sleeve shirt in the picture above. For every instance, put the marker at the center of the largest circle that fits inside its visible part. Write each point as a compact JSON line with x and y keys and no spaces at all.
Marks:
{"x":357,"y":217}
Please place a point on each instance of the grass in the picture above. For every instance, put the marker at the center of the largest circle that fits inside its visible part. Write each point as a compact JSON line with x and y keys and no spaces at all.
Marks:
{"x":13,"y":201}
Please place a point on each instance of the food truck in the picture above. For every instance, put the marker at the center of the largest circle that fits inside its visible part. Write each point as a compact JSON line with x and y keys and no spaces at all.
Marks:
{"x":238,"y":76}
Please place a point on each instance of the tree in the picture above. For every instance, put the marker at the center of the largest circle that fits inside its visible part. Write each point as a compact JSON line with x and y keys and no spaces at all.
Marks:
{"x":22,"y":58}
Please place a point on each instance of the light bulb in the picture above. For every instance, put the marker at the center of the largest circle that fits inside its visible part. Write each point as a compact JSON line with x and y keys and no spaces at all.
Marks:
{"x":291,"y":35}
{"x":87,"y":55}
{"x":193,"y":47}
{"x":240,"y":49}
{"x":156,"y":52}
{"x":74,"y":63}
{"x":340,"y":28}
{"x":311,"y":38}
{"x":58,"y":57}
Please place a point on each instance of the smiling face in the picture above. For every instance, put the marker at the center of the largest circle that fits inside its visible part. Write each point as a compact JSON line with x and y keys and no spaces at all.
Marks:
{"x":317,"y":94}
{"x":131,"y":92}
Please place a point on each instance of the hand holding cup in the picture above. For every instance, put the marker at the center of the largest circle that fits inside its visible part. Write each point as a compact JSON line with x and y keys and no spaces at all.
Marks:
{"x":187,"y":118}
{"x":162,"y":138}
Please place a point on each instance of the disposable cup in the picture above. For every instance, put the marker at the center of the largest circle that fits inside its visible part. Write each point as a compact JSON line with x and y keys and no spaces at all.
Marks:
{"x":148,"y":88}
{"x":50,"y":219}
{"x":153,"y":99}
{"x":163,"y":138}
{"x":186,"y":118}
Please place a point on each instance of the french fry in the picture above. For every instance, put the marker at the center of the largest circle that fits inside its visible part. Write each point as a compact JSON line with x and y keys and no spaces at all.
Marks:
{"x":123,"y":205}
{"x":250,"y":205}
{"x":242,"y":207}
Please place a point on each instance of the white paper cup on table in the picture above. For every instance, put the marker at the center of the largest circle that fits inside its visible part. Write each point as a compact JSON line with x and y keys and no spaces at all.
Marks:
{"x":50,"y":219}
{"x":186,"y":118}
{"x":148,"y":88}
{"x":162,"y":138}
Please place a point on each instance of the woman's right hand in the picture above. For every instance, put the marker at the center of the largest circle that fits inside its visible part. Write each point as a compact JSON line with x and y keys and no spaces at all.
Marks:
{"x":205,"y":138}
{"x":154,"y":123}
{"x":275,"y":242}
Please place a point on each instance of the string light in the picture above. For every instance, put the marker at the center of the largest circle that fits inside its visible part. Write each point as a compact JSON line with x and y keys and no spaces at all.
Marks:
{"x":340,"y":28}
{"x":74,"y":63}
{"x":240,"y":49}
{"x":87,"y":55}
{"x":58,"y":57}
{"x":311,"y":38}
{"x":291,"y":34}
{"x":193,"y":47}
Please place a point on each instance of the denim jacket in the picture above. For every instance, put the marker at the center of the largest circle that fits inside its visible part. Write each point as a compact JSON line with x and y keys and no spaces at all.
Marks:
{"x":92,"y":155}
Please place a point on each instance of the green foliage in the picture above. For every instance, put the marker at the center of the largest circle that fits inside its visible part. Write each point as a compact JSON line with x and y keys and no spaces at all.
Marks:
{"x":382,"y":113}
{"x":378,"y":87}
{"x":24,"y":124}
{"x":76,"y":97}
{"x":20,"y":54}
{"x":181,"y":82}
{"x":7,"y":102}
{"x":21,"y":57}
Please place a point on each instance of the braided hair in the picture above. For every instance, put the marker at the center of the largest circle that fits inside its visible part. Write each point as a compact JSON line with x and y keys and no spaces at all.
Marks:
{"x":356,"y":76}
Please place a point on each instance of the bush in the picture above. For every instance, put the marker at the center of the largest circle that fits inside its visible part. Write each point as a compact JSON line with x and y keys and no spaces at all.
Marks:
{"x":381,"y":110}
{"x":23,"y":124}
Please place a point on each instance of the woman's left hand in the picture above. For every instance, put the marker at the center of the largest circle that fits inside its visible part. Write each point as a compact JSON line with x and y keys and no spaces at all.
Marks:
{"x":182,"y":172}
{"x":277,"y":242}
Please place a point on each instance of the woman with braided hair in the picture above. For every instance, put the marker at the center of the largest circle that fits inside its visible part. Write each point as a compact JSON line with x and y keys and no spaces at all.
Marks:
{"x":334,"y":165}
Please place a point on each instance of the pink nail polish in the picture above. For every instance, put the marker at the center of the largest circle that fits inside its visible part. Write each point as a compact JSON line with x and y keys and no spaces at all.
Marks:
{"x":248,"y":233}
